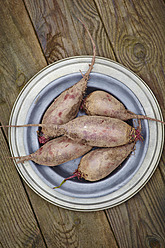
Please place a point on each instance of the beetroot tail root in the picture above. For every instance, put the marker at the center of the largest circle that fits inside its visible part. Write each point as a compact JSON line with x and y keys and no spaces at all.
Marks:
{"x":142,"y":117}
{"x":25,"y":125}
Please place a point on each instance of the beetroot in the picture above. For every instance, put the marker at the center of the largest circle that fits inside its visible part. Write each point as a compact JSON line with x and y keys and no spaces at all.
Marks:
{"x":97,"y":131}
{"x":94,"y":131}
{"x":56,"y":151}
{"x":66,"y":106}
{"x":99,"y":163}
{"x":103,"y":104}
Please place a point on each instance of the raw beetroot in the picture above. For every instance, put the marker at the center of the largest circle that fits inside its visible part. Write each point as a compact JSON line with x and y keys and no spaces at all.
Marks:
{"x":56,"y":151}
{"x":97,"y":131}
{"x":104,"y":104}
{"x":66,"y":106}
{"x":99,"y":163}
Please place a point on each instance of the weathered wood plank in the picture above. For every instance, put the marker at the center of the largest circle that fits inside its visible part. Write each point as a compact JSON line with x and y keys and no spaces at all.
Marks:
{"x":65,"y":228}
{"x":21,"y":58}
{"x":135,"y":30}
{"x":142,"y":217}
{"x":18,"y":224}
{"x":61,"y":34}
{"x":20,"y":52}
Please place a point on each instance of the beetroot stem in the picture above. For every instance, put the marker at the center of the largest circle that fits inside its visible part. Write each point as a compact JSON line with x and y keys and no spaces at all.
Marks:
{"x":138,"y":136}
{"x":75,"y":174}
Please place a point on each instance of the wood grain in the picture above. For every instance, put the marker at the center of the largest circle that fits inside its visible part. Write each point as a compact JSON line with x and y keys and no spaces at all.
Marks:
{"x":61,"y":34}
{"x":136,"y":31}
{"x":142,"y":217}
{"x":20,"y":52}
{"x":65,"y":228}
{"x":18,"y":224}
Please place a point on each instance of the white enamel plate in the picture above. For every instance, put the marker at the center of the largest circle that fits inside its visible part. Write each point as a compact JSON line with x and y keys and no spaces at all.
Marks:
{"x":76,"y":194}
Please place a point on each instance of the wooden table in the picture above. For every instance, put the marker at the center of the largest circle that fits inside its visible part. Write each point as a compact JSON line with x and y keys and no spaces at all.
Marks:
{"x":34,"y":34}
